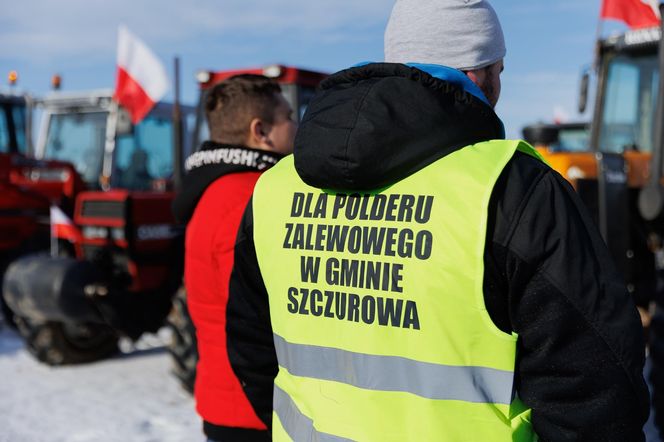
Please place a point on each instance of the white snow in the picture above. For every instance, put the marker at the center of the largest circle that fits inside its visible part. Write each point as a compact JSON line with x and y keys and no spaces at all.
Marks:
{"x":131,"y":397}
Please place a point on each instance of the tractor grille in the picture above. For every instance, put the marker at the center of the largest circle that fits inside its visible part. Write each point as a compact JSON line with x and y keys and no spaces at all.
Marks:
{"x":103,"y":209}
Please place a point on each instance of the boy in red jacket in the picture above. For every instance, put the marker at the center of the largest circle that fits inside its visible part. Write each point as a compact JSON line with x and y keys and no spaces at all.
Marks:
{"x":251,"y":128}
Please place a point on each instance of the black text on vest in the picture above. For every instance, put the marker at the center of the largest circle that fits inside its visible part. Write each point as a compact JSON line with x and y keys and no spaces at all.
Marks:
{"x":357,"y":242}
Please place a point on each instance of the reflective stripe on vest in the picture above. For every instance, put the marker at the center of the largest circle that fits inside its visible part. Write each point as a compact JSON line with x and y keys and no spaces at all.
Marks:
{"x":297,"y":425}
{"x":393,"y":373}
{"x":377,"y":306}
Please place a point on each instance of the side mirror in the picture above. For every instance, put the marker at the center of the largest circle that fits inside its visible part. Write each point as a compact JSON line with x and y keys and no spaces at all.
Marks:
{"x":123,"y":125}
{"x":583,"y":92}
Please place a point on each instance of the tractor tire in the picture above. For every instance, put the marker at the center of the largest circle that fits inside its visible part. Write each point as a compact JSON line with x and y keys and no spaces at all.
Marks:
{"x":183,"y":346}
{"x":56,"y":343}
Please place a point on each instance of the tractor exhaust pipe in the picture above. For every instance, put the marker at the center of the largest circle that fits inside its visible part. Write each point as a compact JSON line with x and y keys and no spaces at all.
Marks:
{"x":178,"y":147}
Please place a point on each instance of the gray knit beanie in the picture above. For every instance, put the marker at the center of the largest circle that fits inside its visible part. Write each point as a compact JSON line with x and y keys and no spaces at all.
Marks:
{"x":462,"y":34}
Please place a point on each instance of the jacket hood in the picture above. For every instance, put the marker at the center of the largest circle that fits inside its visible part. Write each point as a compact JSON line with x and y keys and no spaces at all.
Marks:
{"x":375,"y":124}
{"x":211,"y":162}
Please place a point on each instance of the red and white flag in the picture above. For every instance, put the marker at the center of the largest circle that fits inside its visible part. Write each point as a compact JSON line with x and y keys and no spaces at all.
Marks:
{"x":141,"y":77}
{"x":635,"y":13}
{"x":63,"y":227}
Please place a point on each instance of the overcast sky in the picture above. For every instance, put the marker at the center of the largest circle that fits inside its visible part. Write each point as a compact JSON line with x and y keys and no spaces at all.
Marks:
{"x":548,"y":42}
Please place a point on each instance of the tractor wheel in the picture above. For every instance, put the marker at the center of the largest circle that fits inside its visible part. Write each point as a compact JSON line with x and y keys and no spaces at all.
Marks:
{"x":56,"y":343}
{"x":183,"y":347}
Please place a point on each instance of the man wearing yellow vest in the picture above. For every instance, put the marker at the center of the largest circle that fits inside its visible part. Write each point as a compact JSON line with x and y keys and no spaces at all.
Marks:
{"x":409,"y":275}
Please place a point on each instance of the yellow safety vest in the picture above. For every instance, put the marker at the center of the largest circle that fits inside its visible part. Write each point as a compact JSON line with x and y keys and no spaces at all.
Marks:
{"x":377,"y":306}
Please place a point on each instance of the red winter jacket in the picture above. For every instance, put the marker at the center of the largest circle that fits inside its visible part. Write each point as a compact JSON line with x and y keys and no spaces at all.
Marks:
{"x":210,"y":239}
{"x":214,"y":196}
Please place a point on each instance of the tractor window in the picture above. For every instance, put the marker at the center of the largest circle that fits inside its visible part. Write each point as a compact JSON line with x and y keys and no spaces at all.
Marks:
{"x":4,"y":131}
{"x":18,"y":115}
{"x":298,"y":97}
{"x":306,"y":94}
{"x":78,"y":138}
{"x":629,"y":104}
{"x":572,"y":140}
{"x":289,"y":91}
{"x":188,"y":133}
{"x":144,"y":156}
{"x":202,"y":130}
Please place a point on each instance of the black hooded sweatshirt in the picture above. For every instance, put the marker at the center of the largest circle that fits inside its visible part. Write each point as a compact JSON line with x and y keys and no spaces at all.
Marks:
{"x":548,"y":275}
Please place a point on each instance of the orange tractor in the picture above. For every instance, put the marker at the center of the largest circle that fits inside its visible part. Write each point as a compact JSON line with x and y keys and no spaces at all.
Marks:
{"x":622,"y":183}
{"x":615,"y":162}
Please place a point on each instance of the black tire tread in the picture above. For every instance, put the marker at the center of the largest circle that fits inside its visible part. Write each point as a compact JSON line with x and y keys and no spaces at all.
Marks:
{"x":183,"y":346}
{"x":51,"y":342}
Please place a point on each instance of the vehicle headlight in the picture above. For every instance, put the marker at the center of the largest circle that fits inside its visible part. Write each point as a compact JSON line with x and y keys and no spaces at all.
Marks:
{"x":118,"y":233}
{"x":45,"y":174}
{"x":94,"y":232}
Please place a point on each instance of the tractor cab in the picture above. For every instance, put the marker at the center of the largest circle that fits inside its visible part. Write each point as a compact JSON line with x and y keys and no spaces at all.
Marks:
{"x":624,"y":116}
{"x":609,"y":162}
{"x":96,"y":135}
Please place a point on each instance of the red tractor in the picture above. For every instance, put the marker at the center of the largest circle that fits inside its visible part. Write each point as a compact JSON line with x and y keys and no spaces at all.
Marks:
{"x":27,"y":186}
{"x":17,"y":203}
{"x":298,"y":87}
{"x":116,"y":263}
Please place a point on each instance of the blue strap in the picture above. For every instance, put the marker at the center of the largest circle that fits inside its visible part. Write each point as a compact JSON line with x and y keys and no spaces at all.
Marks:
{"x":451,"y":75}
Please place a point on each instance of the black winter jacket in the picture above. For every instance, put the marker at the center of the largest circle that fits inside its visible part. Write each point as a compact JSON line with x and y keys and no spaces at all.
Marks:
{"x":548,"y":275}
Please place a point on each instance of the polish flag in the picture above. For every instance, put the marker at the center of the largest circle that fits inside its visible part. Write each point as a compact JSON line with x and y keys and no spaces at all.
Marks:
{"x":635,"y":13}
{"x":141,"y":78}
{"x":62,"y":227}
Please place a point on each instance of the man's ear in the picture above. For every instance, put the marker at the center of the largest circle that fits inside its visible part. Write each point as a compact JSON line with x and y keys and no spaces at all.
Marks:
{"x":257,"y":133}
{"x":477,"y":76}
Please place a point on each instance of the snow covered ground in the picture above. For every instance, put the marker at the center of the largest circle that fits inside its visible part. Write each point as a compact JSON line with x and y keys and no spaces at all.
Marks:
{"x":132,"y":397}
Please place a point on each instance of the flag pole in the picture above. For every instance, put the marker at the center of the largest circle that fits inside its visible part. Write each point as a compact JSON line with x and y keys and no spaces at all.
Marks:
{"x":594,"y":129}
{"x":598,"y":36}
{"x":54,"y":240}
{"x":177,"y":128}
